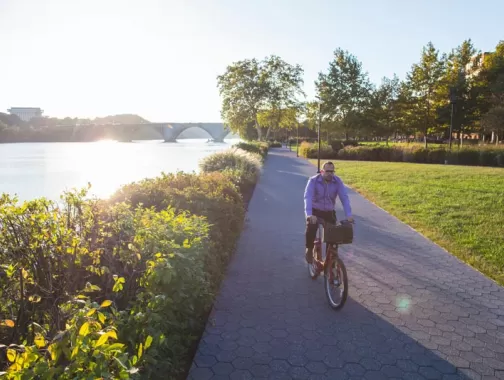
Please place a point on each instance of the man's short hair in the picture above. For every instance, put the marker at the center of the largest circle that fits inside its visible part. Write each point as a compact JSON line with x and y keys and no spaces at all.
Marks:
{"x":327,"y":163}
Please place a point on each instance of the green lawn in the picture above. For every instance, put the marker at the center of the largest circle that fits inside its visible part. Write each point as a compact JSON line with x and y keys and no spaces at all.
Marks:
{"x":459,"y":207}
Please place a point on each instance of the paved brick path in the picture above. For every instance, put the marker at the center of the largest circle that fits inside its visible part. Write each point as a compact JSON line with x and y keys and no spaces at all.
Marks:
{"x":414,"y":311}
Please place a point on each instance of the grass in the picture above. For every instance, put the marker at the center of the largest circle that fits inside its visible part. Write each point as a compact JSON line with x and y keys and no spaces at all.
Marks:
{"x":461,"y":208}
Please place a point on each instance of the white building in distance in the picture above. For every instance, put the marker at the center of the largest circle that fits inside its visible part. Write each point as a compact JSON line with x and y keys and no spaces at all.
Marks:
{"x":25,"y":113}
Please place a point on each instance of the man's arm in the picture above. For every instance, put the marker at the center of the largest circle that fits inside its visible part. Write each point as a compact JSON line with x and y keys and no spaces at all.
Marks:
{"x":343,"y":196}
{"x":308,"y":197}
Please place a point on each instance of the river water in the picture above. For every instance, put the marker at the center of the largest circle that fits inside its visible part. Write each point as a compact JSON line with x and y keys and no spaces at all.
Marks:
{"x":47,"y":169}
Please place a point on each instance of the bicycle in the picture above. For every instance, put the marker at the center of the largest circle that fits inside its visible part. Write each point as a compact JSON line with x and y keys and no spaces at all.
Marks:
{"x":335,"y":273}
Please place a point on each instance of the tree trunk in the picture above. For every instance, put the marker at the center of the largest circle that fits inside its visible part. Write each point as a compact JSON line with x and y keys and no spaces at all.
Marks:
{"x":268,"y":133}
{"x":259,"y":131}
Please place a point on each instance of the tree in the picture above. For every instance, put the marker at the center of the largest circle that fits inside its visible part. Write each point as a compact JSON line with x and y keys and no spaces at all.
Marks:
{"x":493,"y":120}
{"x":423,"y":82}
{"x":255,"y":92}
{"x":383,"y":113}
{"x":343,"y":90}
{"x":458,"y":76}
{"x":284,"y":84}
{"x":243,"y":89}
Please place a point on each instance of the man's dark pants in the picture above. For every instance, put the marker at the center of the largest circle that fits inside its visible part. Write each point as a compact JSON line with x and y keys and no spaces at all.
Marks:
{"x":311,"y":229}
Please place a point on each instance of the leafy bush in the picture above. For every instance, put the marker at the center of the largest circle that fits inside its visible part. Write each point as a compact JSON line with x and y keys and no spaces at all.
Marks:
{"x":118,"y":288}
{"x":210,"y":194}
{"x":59,"y":264}
{"x":275,"y":144}
{"x":243,"y":166}
{"x":310,"y":150}
{"x":256,"y":147}
{"x":484,"y":156}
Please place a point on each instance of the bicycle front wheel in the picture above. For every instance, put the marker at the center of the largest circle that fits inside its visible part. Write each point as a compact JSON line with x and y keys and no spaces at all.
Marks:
{"x":336,"y":283}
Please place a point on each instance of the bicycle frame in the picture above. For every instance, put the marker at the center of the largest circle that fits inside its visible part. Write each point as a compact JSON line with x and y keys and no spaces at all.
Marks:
{"x":330,"y":254}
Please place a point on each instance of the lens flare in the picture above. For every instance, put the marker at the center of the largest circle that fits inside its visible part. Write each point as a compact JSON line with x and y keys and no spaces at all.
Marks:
{"x":403,"y":304}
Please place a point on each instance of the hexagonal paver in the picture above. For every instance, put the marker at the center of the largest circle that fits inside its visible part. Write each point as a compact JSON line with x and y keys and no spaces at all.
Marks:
{"x":241,"y":375}
{"x":201,"y":374}
{"x":279,"y":365}
{"x":414,"y":312}
{"x":223,"y":369}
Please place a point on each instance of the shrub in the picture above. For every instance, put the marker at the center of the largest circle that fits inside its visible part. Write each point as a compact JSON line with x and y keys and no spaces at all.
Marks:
{"x":247,"y":165}
{"x":210,"y":194}
{"x":275,"y":144}
{"x":118,"y":288}
{"x":310,"y":150}
{"x":260,"y":148}
{"x":484,"y":156}
{"x":71,"y":260}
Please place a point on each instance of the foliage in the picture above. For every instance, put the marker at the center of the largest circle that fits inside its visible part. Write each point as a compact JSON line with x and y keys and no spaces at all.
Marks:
{"x":478,"y":156}
{"x":460,"y":208}
{"x":244,"y":166}
{"x":310,"y":150}
{"x":253,"y":92}
{"x":343,"y":91}
{"x":275,"y":144}
{"x":255,"y":147}
{"x":118,"y":288}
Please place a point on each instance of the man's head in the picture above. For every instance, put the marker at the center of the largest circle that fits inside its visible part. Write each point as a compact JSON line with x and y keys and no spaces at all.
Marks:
{"x":327,"y":170}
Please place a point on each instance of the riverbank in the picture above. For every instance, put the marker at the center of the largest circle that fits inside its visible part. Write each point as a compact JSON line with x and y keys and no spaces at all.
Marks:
{"x":122,"y":286}
{"x":461,"y":208}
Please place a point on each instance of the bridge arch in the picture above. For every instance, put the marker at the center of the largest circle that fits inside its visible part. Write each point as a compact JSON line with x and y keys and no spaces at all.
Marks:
{"x":217,"y":131}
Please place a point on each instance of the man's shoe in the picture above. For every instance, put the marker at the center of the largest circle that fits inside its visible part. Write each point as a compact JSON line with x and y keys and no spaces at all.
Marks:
{"x":309,"y":255}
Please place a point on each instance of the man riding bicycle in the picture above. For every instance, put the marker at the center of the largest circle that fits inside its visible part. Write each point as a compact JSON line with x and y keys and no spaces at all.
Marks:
{"x":320,"y":201}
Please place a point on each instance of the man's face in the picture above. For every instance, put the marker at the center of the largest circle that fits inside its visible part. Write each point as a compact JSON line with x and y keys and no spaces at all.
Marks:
{"x":327,"y":172}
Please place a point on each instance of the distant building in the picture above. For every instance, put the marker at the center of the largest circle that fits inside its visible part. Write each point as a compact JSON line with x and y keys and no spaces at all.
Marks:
{"x":25,"y":113}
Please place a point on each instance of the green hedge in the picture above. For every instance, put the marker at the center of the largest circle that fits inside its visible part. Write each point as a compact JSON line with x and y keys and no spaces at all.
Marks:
{"x":117,"y":288}
{"x":310,"y":150}
{"x":275,"y":144}
{"x":260,"y":148}
{"x":485,"y":156}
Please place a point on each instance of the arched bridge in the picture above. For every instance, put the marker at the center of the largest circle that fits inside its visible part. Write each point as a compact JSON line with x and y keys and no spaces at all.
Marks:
{"x":170,"y":131}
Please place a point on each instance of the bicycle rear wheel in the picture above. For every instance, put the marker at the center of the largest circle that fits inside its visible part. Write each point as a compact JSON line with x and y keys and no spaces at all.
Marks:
{"x":336,"y":283}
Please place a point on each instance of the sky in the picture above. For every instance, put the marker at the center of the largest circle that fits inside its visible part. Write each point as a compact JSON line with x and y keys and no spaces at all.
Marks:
{"x":160,"y":58}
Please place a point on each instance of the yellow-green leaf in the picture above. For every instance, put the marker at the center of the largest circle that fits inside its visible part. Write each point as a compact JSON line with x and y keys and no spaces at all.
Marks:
{"x":90,"y":312}
{"x":148,"y":342}
{"x":101,"y":317}
{"x":84,"y":330}
{"x":36,"y":298}
{"x":39,"y":341}
{"x":102,"y":340}
{"x":74,"y":352}
{"x":140,"y":351}
{"x":53,"y":350}
{"x":112,"y":334}
{"x":134,"y":360}
{"x":106,"y":303}
{"x":11,"y":355}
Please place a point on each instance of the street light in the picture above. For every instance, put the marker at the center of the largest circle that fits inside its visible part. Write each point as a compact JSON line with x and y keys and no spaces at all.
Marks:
{"x":318,"y":132}
{"x":453,"y":100}
{"x":297,"y":140}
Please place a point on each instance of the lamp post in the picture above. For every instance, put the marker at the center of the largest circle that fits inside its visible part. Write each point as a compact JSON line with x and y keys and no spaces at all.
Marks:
{"x":297,"y":140}
{"x":318,"y":133}
{"x":453,"y":100}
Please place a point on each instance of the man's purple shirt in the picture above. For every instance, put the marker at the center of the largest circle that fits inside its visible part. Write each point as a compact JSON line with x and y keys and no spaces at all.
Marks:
{"x":321,"y":195}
